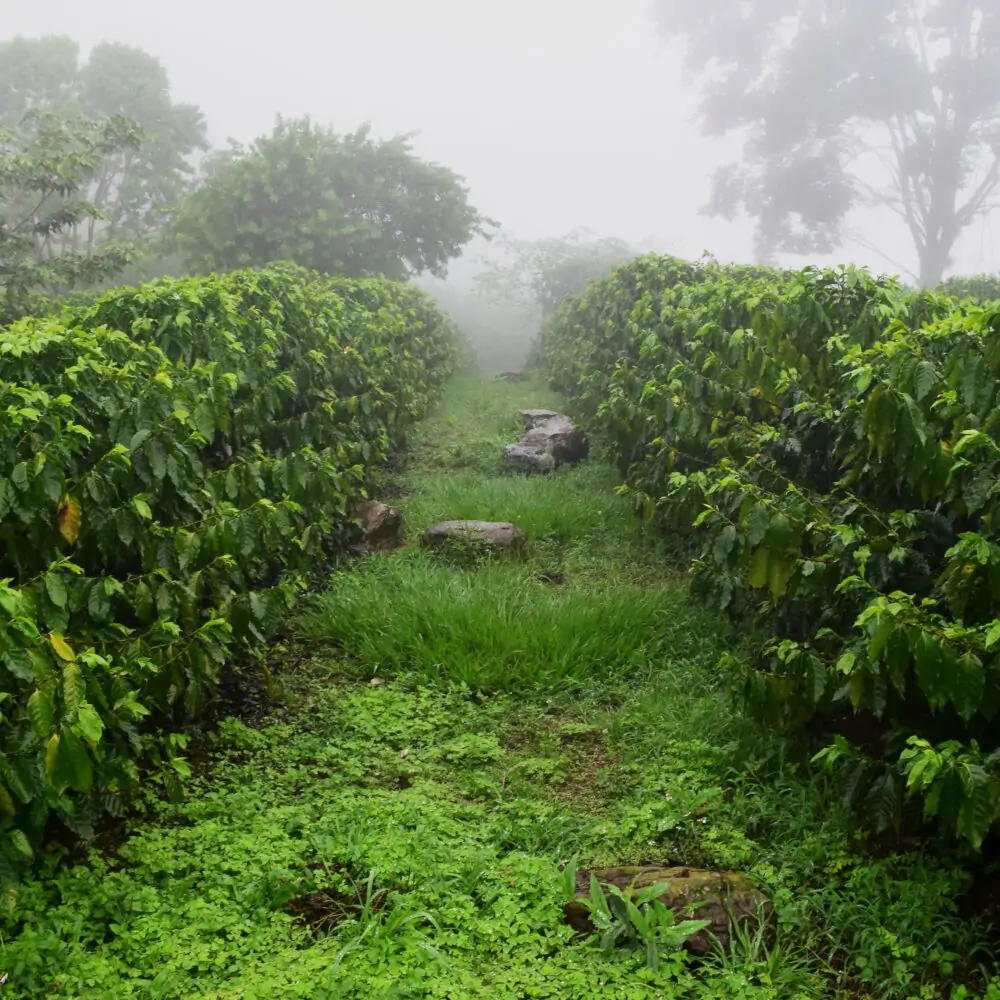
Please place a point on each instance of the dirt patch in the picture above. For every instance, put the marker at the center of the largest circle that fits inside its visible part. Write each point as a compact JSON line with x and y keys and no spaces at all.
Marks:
{"x":324,"y":909}
{"x":585,"y":747}
{"x":321,"y":912}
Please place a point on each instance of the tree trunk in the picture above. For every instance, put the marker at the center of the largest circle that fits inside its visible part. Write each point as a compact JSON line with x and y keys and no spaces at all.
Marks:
{"x":935,"y":256}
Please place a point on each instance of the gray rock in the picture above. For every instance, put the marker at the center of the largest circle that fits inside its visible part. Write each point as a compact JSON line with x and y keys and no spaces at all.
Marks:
{"x":532,"y":418}
{"x":550,"y":439}
{"x":720,"y":897}
{"x":561,"y":438}
{"x":497,"y":534}
{"x":523,"y":458}
{"x":382,"y":527}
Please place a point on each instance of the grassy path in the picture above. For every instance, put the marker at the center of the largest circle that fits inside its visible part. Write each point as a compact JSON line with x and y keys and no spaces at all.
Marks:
{"x":395,"y":828}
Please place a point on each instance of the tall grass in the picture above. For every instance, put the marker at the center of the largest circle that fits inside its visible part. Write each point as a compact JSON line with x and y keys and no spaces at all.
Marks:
{"x":496,"y":627}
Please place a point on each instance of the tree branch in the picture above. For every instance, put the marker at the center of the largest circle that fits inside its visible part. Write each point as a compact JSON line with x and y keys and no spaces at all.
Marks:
{"x":868,"y":245}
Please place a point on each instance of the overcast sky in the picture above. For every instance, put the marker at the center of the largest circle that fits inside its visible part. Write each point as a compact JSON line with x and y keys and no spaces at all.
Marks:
{"x":560,"y":113}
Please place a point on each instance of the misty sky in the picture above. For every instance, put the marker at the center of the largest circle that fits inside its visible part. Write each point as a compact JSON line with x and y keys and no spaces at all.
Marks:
{"x":560,"y":113}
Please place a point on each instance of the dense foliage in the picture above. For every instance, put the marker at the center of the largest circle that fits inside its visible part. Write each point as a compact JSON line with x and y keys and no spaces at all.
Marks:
{"x":850,"y":104}
{"x":835,"y":440}
{"x":174,"y":460}
{"x":341,"y":204}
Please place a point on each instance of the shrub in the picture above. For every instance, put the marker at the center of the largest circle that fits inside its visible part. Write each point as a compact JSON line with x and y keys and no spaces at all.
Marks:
{"x":834,"y":440}
{"x":174,"y":461}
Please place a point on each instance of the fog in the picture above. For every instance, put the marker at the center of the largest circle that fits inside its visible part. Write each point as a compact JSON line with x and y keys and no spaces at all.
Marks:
{"x":559,"y":113}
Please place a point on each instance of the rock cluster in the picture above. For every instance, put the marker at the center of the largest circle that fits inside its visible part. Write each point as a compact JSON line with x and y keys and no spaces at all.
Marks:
{"x":550,"y":439}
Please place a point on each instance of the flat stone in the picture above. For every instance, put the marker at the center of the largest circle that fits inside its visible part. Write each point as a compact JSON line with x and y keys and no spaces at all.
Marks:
{"x":724,"y":897}
{"x":499,"y":534}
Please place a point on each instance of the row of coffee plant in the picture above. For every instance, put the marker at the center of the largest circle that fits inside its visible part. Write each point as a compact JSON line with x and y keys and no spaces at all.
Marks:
{"x":832,"y":440}
{"x":175,"y":460}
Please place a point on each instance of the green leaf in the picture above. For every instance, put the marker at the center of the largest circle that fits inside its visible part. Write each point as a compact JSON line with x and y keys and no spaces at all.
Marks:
{"x":978,"y":807}
{"x":20,"y":664}
{"x":144,"y":606}
{"x":73,"y":767}
{"x":724,"y":543}
{"x":41,"y":712}
{"x":779,"y":572}
{"x":21,"y":843}
{"x":56,"y":589}
{"x":967,"y":685}
{"x":74,"y":687}
{"x":89,"y":722}
{"x":932,"y":671}
{"x":924,"y":380}
{"x":976,"y":489}
{"x":882,"y":802}
{"x":757,"y":524}
{"x":759,"y":567}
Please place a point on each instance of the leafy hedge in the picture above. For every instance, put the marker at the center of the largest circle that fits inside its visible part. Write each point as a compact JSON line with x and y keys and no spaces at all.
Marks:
{"x":174,"y":460}
{"x":834,"y":440}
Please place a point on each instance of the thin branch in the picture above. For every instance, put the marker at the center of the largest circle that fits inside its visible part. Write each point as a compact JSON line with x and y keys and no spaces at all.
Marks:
{"x":977,"y":200}
{"x":868,"y":245}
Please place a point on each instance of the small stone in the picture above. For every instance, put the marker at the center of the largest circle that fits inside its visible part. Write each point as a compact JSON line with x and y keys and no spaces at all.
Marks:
{"x":376,"y":682}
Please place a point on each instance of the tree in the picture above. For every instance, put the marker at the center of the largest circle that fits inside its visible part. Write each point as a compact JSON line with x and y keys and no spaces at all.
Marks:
{"x":845,"y":104}
{"x":341,"y":204}
{"x":44,"y":169}
{"x":538,"y":275}
{"x":137,"y":188}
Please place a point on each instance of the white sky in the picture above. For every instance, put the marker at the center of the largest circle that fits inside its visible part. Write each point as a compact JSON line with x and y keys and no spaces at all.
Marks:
{"x":560,"y":113}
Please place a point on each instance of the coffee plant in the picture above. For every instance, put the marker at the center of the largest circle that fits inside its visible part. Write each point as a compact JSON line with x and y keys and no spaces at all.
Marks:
{"x":174,"y":462}
{"x":833,"y":440}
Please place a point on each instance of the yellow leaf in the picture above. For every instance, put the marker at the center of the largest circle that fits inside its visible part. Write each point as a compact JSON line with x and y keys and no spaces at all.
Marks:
{"x":69,"y":517}
{"x":62,"y":647}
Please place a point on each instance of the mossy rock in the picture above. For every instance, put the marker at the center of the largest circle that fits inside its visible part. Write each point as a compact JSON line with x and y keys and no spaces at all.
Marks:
{"x":721,"y":897}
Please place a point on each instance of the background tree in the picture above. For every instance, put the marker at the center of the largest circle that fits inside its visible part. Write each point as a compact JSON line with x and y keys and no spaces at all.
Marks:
{"x":135,"y":189}
{"x":341,"y":204}
{"x":45,"y":168}
{"x":537,"y":275}
{"x":850,"y":103}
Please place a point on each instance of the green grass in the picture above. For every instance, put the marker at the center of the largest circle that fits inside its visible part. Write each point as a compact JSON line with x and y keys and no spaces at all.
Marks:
{"x":404,"y":839}
{"x":500,"y":627}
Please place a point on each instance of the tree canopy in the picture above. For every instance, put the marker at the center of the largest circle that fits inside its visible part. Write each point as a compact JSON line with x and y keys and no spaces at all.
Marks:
{"x":346,"y":204}
{"x":136,"y":188}
{"x":850,"y":103}
{"x":45,"y":169}
{"x":537,"y":275}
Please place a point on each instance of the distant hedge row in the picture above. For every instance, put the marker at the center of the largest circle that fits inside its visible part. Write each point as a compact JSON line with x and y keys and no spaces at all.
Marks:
{"x":174,"y":460}
{"x":834,"y":441}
